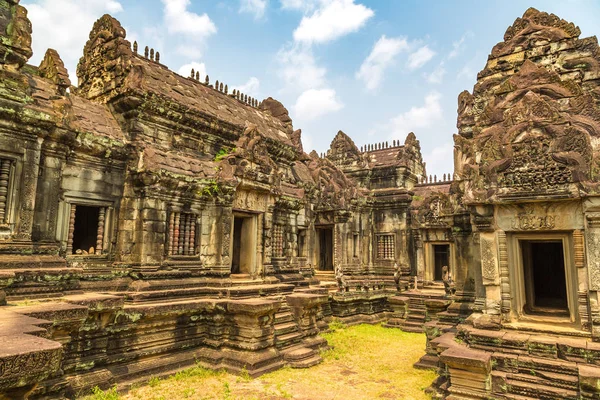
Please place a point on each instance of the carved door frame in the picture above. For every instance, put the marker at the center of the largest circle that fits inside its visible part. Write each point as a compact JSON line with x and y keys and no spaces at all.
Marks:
{"x":517,"y":276}
{"x":430,"y":259}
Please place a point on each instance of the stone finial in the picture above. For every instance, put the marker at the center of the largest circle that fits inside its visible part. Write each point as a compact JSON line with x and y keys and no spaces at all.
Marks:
{"x":387,"y":146}
{"x":435,"y":178}
{"x":430,"y":178}
{"x":217,"y":84}
{"x":157,"y":56}
{"x":146,"y":51}
{"x":53,"y":68}
{"x":152,"y":54}
{"x":198,"y":76}
{"x":15,"y":34}
{"x":135,"y":47}
{"x":206,"y":81}
{"x":193,"y":73}
{"x":226,"y":89}
{"x":221,"y":87}
{"x":245,"y":97}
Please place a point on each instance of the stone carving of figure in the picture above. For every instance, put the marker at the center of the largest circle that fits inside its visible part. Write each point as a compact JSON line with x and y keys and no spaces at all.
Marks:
{"x":448,"y":281}
{"x":397,"y":276}
{"x":339,"y":277}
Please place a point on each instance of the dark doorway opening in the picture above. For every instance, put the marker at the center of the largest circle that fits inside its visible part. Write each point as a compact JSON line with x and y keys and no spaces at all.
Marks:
{"x":86,"y":229}
{"x":325,"y":249}
{"x":441,"y":258}
{"x":545,"y":280}
{"x":243,"y":245}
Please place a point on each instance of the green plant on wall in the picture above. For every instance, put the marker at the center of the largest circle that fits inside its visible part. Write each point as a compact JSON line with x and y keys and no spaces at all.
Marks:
{"x":224,"y":152}
{"x":211,"y":188}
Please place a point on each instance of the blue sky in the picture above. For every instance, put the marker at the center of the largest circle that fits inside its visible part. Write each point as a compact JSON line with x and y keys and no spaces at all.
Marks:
{"x":375,"y":69}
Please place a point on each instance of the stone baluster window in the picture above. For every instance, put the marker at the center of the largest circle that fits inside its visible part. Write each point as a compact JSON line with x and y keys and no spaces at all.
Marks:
{"x":386,"y":247}
{"x":86,"y":230}
{"x":6,"y":168}
{"x":182,"y":234}
{"x":278,"y":241}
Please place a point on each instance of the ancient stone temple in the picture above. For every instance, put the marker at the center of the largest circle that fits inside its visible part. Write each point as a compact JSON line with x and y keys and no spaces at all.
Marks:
{"x":150,"y":221}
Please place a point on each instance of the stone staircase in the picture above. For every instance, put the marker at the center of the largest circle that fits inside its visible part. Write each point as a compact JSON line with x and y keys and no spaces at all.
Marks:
{"x":298,"y":353}
{"x":519,"y":365}
{"x":38,"y":276}
{"x":423,"y":306}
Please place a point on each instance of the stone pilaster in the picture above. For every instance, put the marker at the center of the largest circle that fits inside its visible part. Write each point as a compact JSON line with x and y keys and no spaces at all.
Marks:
{"x":31,"y":168}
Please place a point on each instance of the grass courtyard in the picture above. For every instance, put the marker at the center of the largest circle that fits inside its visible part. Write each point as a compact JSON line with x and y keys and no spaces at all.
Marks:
{"x":366,"y":362}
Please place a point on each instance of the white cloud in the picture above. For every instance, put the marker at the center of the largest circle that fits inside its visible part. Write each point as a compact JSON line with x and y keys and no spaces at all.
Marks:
{"x":333,"y":19}
{"x":254,"y":7}
{"x":250,"y":88}
{"x":299,"y":70}
{"x":417,"y":117}
{"x":315,"y":103}
{"x":307,"y":142}
{"x":303,"y":5}
{"x":437,"y":75}
{"x":179,"y":20}
{"x":65,"y":25}
{"x":458,"y":46}
{"x":440,"y":160}
{"x":466,"y":72}
{"x":382,"y":56}
{"x":420,"y":57}
{"x":186,"y":69}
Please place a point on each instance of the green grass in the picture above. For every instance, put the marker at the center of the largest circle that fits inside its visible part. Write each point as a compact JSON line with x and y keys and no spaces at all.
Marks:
{"x":366,"y":362}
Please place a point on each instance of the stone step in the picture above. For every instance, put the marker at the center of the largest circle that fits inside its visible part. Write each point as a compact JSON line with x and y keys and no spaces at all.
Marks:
{"x":307,"y":363}
{"x":428,"y":361}
{"x":43,"y":272}
{"x":283,"y":329}
{"x":288,"y":339}
{"x":549,"y":379}
{"x":298,"y":353}
{"x":283,"y":317}
{"x":31,"y":262}
{"x":539,"y":390}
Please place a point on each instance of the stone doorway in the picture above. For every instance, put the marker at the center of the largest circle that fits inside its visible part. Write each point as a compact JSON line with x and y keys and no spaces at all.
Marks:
{"x":85,"y":233}
{"x":244,"y":244}
{"x":324,"y":249}
{"x":545,"y":278}
{"x":441,"y":258}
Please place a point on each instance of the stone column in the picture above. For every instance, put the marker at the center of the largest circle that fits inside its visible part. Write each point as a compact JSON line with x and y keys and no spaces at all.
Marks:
{"x":31,"y":168}
{"x":583,"y":304}
{"x":268,"y":237}
{"x":592,"y":253}
{"x":47,"y":200}
{"x":489,"y":271}
{"x":226,"y":226}
{"x":420,"y":257}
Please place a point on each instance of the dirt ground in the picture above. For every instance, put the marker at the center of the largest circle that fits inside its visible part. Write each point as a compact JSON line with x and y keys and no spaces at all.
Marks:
{"x":366,"y":362}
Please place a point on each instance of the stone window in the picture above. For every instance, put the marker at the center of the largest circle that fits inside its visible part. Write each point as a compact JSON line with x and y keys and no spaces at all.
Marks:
{"x":182,"y":234}
{"x":6,"y":173}
{"x":386,"y":247}
{"x":86,"y":230}
{"x":277,"y":241}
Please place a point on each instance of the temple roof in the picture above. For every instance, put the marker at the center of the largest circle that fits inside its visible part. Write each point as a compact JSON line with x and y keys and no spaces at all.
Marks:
{"x":158,"y":79}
